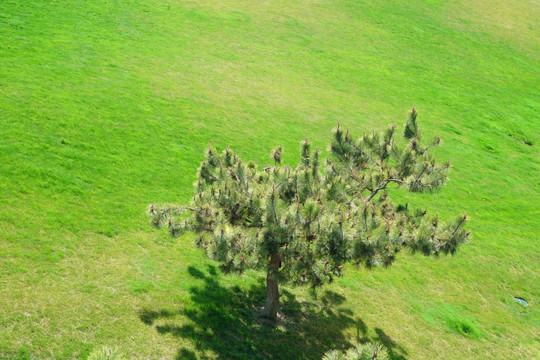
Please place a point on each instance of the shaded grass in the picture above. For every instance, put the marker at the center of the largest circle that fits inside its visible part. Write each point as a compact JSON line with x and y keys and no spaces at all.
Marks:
{"x":225,"y":322}
{"x":106,"y":106}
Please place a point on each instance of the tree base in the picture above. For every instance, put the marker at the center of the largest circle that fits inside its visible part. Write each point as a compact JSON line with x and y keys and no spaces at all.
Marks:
{"x":280,"y":320}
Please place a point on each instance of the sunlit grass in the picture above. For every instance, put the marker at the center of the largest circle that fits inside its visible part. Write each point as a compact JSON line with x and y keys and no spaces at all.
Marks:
{"x":106,"y":106}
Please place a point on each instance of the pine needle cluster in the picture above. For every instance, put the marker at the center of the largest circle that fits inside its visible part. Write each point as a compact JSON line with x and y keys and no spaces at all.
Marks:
{"x":369,"y":351}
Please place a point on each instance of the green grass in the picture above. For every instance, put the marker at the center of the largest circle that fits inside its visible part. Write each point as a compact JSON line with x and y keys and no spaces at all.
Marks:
{"x":106,"y":106}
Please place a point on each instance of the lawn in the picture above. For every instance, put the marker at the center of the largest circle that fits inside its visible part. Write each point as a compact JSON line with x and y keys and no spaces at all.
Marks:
{"x":107,"y":106}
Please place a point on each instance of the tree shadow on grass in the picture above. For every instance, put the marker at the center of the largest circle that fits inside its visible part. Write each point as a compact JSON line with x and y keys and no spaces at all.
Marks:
{"x":224,"y":322}
{"x":395,"y":351}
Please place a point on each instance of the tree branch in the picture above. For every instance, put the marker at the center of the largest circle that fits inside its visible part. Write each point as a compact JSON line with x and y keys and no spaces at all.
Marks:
{"x":374,"y":192}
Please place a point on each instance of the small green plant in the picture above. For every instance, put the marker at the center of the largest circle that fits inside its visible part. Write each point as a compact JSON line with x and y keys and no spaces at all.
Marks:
{"x":106,"y":353}
{"x":464,"y":327}
{"x":23,"y":354}
{"x":368,"y":351}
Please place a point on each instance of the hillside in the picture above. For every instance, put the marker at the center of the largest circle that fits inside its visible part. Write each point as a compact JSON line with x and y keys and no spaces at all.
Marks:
{"x":107,"y":106}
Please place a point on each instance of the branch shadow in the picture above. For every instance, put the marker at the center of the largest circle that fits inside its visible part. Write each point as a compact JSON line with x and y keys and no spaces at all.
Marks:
{"x":224,"y":323}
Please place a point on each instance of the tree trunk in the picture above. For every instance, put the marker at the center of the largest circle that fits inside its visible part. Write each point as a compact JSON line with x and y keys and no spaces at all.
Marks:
{"x":272,"y":291}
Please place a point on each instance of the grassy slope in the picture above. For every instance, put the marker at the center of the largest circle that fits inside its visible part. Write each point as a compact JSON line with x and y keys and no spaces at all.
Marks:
{"x":106,"y":106}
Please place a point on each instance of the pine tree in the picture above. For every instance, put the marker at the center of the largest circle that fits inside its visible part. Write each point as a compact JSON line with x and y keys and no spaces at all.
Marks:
{"x":302,"y":224}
